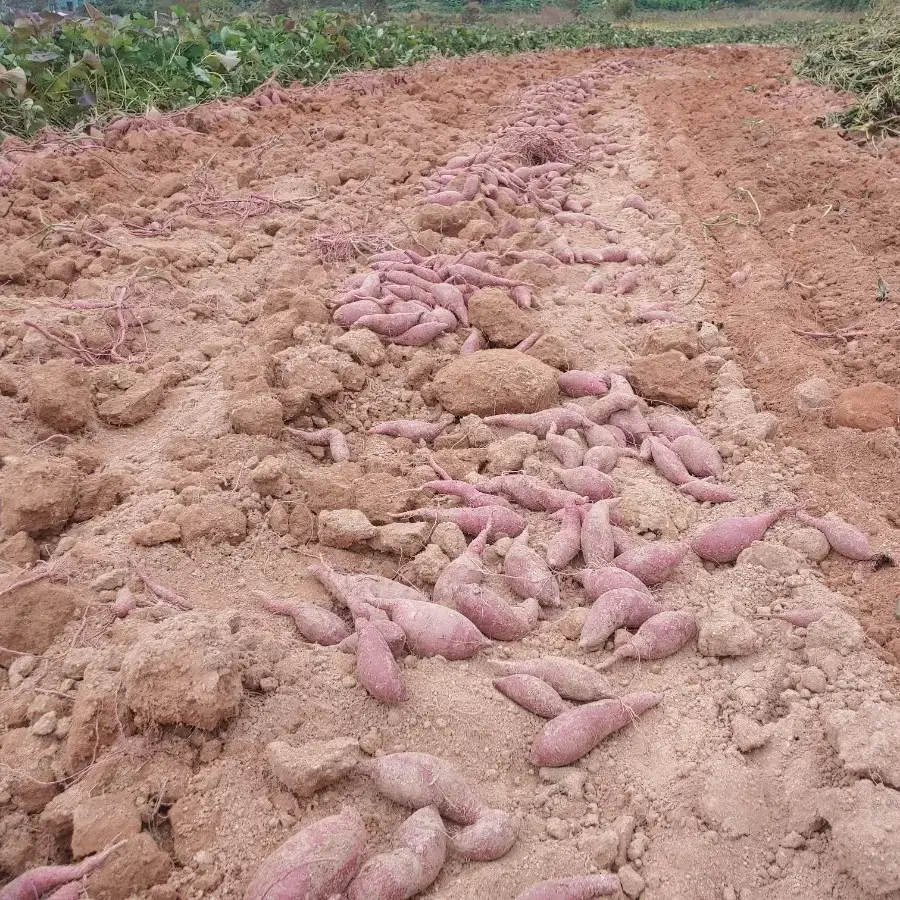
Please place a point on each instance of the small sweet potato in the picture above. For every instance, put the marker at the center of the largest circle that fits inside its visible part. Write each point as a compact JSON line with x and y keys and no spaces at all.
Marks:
{"x":619,"y":608}
{"x":532,"y":694}
{"x":578,"y":887}
{"x":493,"y":616}
{"x":570,"y":679}
{"x":604,"y":458}
{"x":575,"y":733}
{"x":668,"y":463}
{"x":708,"y":491}
{"x":564,"y":417}
{"x":608,"y":578}
{"x":603,"y":408}
{"x":587,"y":481}
{"x":434,"y":630}
{"x":473,"y":343}
{"x":597,"y":545}
{"x":413,"y":429}
{"x":465,"y":491}
{"x":466,"y":569}
{"x":380,"y":586}
{"x":660,"y":636}
{"x":800,"y":618}
{"x":604,"y":436}
{"x":653,"y":563}
{"x":530,"y":492}
{"x":699,"y":456}
{"x":565,"y":545}
{"x":843,"y":537}
{"x":316,"y":863}
{"x":376,"y":669}
{"x":528,"y":575}
{"x":576,"y":383}
{"x":724,"y":540}
{"x":35,"y":882}
{"x":315,"y":624}
{"x":392,"y":633}
{"x":419,"y":335}
{"x":503,"y":522}
{"x":417,"y":780}
{"x":632,"y":423}
{"x":570,"y":453}
{"x":417,"y":854}
{"x":670,"y":425}
{"x":491,"y":837}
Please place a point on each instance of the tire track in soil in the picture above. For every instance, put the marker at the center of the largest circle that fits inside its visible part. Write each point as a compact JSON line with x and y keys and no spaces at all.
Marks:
{"x":726,"y":783}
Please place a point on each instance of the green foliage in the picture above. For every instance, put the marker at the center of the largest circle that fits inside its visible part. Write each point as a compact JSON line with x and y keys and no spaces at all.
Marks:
{"x":863,"y":59}
{"x":675,"y":5}
{"x":66,"y":73}
{"x":621,"y":9}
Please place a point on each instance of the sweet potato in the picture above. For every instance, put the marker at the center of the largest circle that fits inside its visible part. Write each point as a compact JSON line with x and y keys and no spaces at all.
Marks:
{"x":539,"y":423}
{"x":575,"y":733}
{"x":843,"y":537}
{"x":528,"y":342}
{"x":35,"y":882}
{"x":724,"y":540}
{"x":670,"y":425}
{"x":417,"y":854}
{"x":376,"y":669}
{"x":578,"y":887}
{"x":653,"y":563}
{"x":632,"y":423}
{"x":466,"y":491}
{"x":504,"y":522}
{"x":380,"y":586}
{"x":521,"y":295}
{"x":493,"y":616}
{"x":668,"y":463}
{"x":595,"y":284}
{"x":597,"y":546}
{"x":466,"y":569}
{"x":473,"y":343}
{"x":316,"y":863}
{"x":532,"y":694}
{"x":528,"y":575}
{"x":608,"y":578}
{"x":565,"y":545}
{"x":491,"y":837}
{"x":419,"y":335}
{"x":660,"y":636}
{"x":417,"y":780}
{"x":570,"y":453}
{"x":603,"y":408}
{"x":603,"y":458}
{"x":530,"y":492}
{"x":451,"y":298}
{"x":324,"y":437}
{"x":463,"y":274}
{"x":636,"y":201}
{"x":314,"y":623}
{"x":708,"y":491}
{"x":619,"y":608}
{"x":389,"y":324}
{"x":576,"y":383}
{"x":699,"y":456}
{"x":588,"y":482}
{"x":624,"y":541}
{"x":349,"y":313}
{"x":392,"y":633}
{"x":570,"y":679}
{"x":413,"y":429}
{"x":604,"y":436}
{"x":800,"y":618}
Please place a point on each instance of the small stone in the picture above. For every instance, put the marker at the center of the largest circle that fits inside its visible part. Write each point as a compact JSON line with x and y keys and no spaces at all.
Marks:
{"x":260,"y":414}
{"x":363,"y":345}
{"x":632,"y":883}
{"x":158,"y":532}
{"x":670,"y":377}
{"x":812,"y":395}
{"x":558,"y":829}
{"x":61,"y":396}
{"x":401,"y":538}
{"x":45,"y":725}
{"x":571,"y":622}
{"x":167,"y":185}
{"x":493,"y":312}
{"x":814,"y":680}
{"x":603,"y":849}
{"x":450,"y":538}
{"x":306,"y":769}
{"x":111,"y":580}
{"x":449,"y":220}
{"x":139,"y":402}
{"x":771,"y":556}
{"x":810,"y":542}
{"x":747,"y":734}
{"x":725,"y":634}
{"x":867,"y":407}
{"x":213,"y":521}
{"x":683,"y":338}
{"x":793,"y":841}
{"x":429,"y":564}
{"x":344,"y":528}
{"x":20,"y":668}
{"x":866,"y":741}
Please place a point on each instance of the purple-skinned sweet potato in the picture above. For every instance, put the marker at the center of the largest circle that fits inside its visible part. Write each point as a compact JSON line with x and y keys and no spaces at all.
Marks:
{"x":391,"y":632}
{"x":529,"y":492}
{"x":570,"y":453}
{"x":540,"y":423}
{"x":842,"y":537}
{"x":699,"y":456}
{"x":376,"y":669}
{"x":608,"y":578}
{"x":577,"y":887}
{"x":708,"y":491}
{"x":494,"y":616}
{"x":315,"y":624}
{"x":724,"y":540}
{"x":576,"y":383}
{"x":668,"y":463}
{"x":604,"y":458}
{"x":316,"y":863}
{"x":670,"y":425}
{"x":466,"y":569}
{"x":660,"y":636}
{"x":413,"y":429}
{"x":619,"y":608}
{"x":504,"y":522}
{"x":568,"y":737}
{"x":597,"y":545}
{"x":570,"y":679}
{"x":528,"y":575}
{"x":468,"y":493}
{"x":533,"y":694}
{"x":653,"y":563}
{"x":417,"y":780}
{"x":632,"y":422}
{"x":491,"y":837}
{"x":604,"y":436}
{"x":565,"y":545}
{"x":39,"y":881}
{"x":586,"y":481}
{"x":416,"y":856}
{"x":603,"y":408}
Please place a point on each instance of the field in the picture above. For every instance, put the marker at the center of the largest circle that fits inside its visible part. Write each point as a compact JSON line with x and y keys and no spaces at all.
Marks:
{"x":208,"y":312}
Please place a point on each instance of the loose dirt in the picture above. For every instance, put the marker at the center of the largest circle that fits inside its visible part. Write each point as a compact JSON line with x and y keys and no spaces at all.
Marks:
{"x":167,"y":299}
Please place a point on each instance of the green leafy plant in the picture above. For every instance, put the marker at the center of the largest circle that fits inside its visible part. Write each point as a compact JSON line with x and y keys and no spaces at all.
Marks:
{"x":621,"y":9}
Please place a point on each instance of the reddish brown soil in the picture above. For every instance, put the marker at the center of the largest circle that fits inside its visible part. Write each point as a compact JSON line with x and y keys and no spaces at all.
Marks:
{"x":179,"y":266}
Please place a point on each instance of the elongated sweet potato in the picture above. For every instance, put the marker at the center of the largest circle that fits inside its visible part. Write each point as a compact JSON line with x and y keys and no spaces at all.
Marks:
{"x":391,"y":632}
{"x":530,"y":492}
{"x":570,"y":679}
{"x":532,"y":694}
{"x":528,"y":575}
{"x":575,"y":383}
{"x":465,"y":491}
{"x":632,"y":423}
{"x":314,"y":623}
{"x":316,"y":863}
{"x":578,"y":887}
{"x":35,"y":882}
{"x":603,"y":457}
{"x":493,"y":616}
{"x":653,"y":563}
{"x":587,"y":481}
{"x":466,"y":569}
{"x":491,"y":837}
{"x":575,"y":733}
{"x":597,"y":545}
{"x":570,"y":453}
{"x":417,"y":854}
{"x":843,"y":537}
{"x":660,"y":636}
{"x":608,"y":578}
{"x":417,"y":780}
{"x":413,"y":428}
{"x":724,"y":540}
{"x":620,"y":608}
{"x":564,"y":417}
{"x":699,"y":456}
{"x":503,"y":522}
{"x":376,"y":669}
{"x":603,"y":408}
{"x":671,"y":425}
{"x":708,"y":491}
{"x":668,"y":463}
